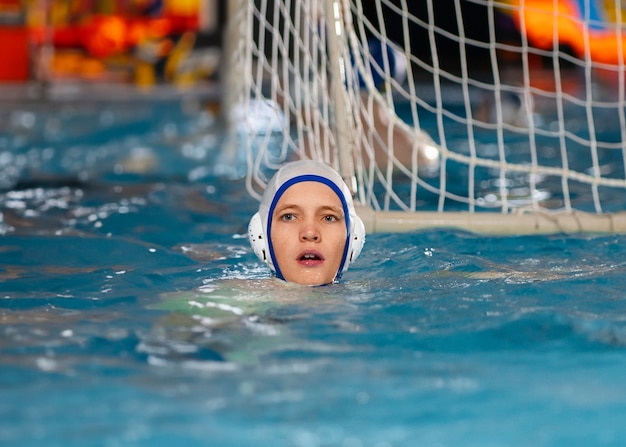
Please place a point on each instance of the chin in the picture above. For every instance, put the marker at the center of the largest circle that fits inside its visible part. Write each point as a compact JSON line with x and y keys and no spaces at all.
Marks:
{"x":310,"y":281}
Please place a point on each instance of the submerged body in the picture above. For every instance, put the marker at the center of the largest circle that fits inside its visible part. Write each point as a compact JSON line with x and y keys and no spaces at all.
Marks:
{"x":236,"y":321}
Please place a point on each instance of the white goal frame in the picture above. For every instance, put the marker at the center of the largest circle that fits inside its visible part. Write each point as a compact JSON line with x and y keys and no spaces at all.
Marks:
{"x":535,"y":142}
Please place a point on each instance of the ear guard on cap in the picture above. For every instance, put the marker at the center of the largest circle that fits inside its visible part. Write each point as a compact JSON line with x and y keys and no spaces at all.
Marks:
{"x":257,"y":239}
{"x":357,"y":241}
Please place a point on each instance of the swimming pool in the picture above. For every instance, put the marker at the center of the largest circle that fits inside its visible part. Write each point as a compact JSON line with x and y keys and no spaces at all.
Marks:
{"x":117,"y":213}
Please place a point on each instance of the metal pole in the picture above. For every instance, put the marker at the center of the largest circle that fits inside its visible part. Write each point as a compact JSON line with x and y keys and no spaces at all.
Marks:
{"x":343,"y":135}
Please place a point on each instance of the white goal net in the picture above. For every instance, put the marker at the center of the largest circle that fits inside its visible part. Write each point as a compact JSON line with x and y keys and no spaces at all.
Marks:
{"x":492,"y":116}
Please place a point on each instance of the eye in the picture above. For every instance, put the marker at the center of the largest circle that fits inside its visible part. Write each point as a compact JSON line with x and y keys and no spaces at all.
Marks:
{"x":287,"y":217}
{"x":330,"y":218}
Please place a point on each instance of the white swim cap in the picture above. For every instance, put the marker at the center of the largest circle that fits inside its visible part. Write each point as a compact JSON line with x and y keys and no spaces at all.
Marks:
{"x":290,"y":174}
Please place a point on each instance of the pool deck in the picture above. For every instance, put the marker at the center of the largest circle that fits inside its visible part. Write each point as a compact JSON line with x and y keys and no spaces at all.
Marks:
{"x":101,"y":91}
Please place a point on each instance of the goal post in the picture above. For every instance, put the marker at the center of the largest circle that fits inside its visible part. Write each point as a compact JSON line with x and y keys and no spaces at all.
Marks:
{"x":491,"y":116}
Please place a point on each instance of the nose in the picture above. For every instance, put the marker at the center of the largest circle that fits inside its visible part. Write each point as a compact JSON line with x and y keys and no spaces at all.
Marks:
{"x":309,"y":232}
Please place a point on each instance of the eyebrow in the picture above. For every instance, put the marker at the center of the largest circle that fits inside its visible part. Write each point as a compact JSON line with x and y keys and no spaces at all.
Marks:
{"x":323,"y":208}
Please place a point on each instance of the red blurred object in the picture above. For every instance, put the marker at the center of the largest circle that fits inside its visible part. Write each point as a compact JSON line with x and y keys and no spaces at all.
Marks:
{"x":107,"y":35}
{"x":14,"y":53}
{"x":103,"y":36}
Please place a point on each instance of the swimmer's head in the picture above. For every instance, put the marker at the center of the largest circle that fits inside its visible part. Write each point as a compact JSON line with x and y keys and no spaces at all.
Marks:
{"x":336,"y":212}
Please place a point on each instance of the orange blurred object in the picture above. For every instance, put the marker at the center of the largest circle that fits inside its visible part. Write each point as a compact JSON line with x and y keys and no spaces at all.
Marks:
{"x":105,"y":36}
{"x":69,"y":64}
{"x":547,"y":23}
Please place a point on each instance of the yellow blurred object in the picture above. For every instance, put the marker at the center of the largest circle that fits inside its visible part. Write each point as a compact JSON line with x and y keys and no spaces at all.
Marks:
{"x":182,"y":7}
{"x":147,"y":54}
{"x":144,"y":74}
{"x":181,"y":51}
{"x":58,"y":13}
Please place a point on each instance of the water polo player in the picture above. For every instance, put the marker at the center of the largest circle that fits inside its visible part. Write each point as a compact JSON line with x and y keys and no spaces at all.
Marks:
{"x":307,"y":229}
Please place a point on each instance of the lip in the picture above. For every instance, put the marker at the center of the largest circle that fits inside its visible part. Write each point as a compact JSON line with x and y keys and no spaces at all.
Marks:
{"x":313,"y":258}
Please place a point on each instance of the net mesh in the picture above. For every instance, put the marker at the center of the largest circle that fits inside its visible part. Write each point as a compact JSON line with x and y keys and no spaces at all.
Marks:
{"x":442,"y":106}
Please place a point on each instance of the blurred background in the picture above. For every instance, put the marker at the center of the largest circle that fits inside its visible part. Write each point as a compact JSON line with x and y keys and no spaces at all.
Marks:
{"x":152,"y":42}
{"x":144,"y":42}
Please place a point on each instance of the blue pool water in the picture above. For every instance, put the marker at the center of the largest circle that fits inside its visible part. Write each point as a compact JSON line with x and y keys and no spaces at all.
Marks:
{"x":115,"y":213}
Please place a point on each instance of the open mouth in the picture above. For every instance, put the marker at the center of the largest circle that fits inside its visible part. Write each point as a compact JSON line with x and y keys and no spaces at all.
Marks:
{"x":310,"y":257}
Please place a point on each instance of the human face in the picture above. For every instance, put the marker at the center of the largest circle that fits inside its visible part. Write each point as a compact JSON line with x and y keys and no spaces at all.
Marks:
{"x":309,"y":233}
